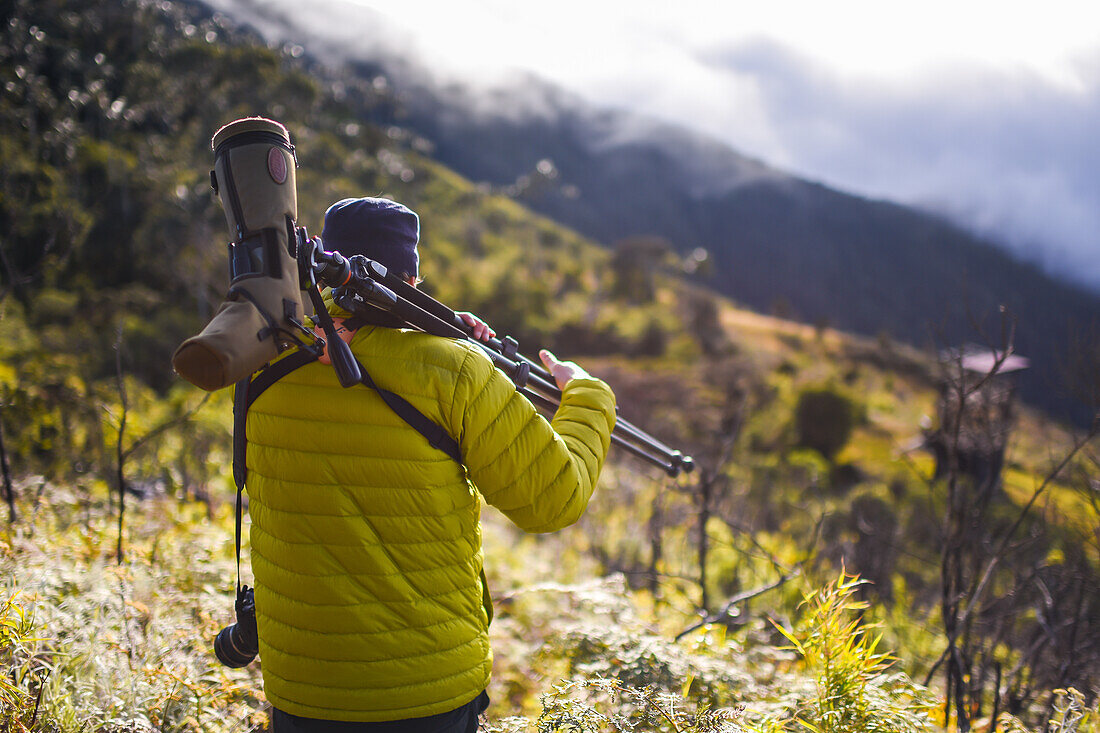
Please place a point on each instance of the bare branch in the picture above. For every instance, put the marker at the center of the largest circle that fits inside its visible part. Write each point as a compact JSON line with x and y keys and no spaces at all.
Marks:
{"x":978,"y":590}
{"x":119,"y":453}
{"x":9,"y":491}
{"x":730,"y":604}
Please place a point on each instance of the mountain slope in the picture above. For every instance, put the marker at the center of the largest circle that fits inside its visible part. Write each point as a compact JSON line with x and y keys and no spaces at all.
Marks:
{"x":776,"y":243}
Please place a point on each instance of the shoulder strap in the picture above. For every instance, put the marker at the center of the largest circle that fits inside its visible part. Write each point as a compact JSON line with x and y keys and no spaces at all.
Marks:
{"x":436,"y":436}
{"x":240,"y":468}
{"x":245,"y":393}
{"x":269,"y":375}
{"x":247,"y":390}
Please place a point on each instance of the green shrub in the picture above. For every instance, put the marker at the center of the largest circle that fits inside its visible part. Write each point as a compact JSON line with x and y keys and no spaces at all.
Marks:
{"x":18,"y":704}
{"x":824,"y":420}
{"x":855,"y":692}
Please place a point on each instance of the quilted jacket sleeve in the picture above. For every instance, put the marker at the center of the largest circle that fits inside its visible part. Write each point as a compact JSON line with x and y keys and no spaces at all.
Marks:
{"x":539,"y":474}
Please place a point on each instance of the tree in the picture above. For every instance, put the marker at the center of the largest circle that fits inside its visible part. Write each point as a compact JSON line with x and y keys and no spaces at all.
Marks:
{"x":635,"y":264}
{"x":1014,"y":619}
{"x":824,"y":420}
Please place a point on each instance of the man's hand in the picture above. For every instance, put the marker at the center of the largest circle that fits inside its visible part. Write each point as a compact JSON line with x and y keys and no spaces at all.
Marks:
{"x":562,"y":371}
{"x":482,"y":332}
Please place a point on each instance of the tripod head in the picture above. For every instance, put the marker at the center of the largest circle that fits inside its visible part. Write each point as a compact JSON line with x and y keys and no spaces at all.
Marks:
{"x":313,"y":264}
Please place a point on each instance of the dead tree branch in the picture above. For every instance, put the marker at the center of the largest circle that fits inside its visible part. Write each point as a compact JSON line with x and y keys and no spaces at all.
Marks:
{"x":726,"y":610}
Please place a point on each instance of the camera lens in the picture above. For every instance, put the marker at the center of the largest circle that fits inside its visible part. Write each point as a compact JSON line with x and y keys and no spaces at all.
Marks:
{"x":237,"y":645}
{"x":232,"y":648}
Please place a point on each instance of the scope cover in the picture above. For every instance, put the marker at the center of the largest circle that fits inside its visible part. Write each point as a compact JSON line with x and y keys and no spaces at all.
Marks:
{"x":254,"y":176}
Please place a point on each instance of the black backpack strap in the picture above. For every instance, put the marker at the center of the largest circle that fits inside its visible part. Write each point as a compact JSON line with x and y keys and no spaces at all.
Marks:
{"x":240,"y":410}
{"x":269,"y":375}
{"x":247,"y":390}
{"x":244,"y":394}
{"x":436,"y":436}
{"x":240,"y":468}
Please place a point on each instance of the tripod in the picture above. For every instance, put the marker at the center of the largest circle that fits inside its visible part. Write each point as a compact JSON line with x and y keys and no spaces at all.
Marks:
{"x":360,"y":285}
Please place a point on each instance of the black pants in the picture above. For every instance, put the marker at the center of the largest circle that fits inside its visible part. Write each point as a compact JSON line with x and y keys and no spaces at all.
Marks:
{"x":460,"y":720}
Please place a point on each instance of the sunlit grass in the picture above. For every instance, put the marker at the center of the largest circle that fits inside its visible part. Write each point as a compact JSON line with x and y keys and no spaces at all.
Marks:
{"x":124,"y":646}
{"x":89,"y":644}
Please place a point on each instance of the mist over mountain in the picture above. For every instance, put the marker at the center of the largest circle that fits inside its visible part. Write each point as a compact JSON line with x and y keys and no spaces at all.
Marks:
{"x":774,"y":242}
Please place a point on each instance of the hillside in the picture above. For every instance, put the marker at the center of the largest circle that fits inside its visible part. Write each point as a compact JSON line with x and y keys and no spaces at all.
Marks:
{"x":116,"y":556}
{"x":776,"y":243}
{"x":609,"y":604}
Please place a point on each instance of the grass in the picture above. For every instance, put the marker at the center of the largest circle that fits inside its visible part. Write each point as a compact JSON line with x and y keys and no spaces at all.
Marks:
{"x":107,"y":646}
{"x":91,"y":645}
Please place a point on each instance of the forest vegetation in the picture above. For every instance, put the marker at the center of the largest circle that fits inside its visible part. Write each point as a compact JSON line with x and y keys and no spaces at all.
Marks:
{"x":875,"y":539}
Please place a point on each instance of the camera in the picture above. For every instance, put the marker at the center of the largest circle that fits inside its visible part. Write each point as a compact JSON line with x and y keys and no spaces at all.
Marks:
{"x":237,"y":645}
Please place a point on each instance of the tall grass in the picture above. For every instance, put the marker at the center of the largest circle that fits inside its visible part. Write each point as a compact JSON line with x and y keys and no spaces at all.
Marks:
{"x":88,"y":644}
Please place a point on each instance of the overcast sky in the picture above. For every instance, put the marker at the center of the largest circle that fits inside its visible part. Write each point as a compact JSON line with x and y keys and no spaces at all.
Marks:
{"x":986,"y":110}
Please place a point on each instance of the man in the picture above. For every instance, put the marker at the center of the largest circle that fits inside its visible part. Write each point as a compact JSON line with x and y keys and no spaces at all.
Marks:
{"x":371,"y":601}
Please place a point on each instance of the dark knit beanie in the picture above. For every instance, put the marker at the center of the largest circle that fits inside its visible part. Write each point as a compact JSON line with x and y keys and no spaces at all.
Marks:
{"x":380,"y":229}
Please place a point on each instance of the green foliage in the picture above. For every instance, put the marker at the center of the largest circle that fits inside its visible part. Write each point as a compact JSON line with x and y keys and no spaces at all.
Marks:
{"x":854,"y":691}
{"x":61,"y":407}
{"x":824,"y":419}
{"x":592,"y":705}
{"x":17,"y":703}
{"x":635,"y":263}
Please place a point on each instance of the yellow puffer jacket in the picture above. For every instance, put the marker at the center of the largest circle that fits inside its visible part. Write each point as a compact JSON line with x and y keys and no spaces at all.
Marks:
{"x":366,"y":542}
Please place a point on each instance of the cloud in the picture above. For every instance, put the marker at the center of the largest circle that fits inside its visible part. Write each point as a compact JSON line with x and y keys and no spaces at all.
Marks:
{"x":989,"y":117}
{"x":1008,"y":154}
